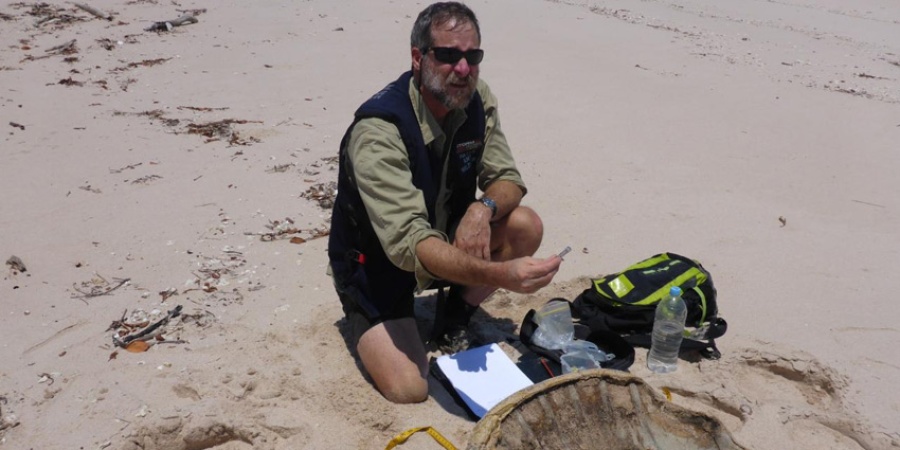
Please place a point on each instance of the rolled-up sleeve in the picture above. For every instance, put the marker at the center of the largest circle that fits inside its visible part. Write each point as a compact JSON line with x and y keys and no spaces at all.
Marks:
{"x":395,"y":206}
{"x":497,"y":162}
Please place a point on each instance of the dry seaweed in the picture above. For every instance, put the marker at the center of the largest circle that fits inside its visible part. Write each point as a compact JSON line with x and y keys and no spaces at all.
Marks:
{"x":202,"y":108}
{"x":144,"y":63}
{"x":106,"y":44}
{"x":146,"y":179}
{"x":322,"y":193}
{"x":15,"y":264}
{"x":97,"y":286}
{"x":279,"y":168}
{"x":70,"y":82}
{"x":155,"y":114}
{"x":222,"y":130}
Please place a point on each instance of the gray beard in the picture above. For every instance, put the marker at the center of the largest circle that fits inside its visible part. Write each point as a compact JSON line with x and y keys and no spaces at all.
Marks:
{"x":433,"y":84}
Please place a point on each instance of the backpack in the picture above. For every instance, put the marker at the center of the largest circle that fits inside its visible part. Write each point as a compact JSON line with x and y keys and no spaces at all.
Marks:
{"x":625,"y":302}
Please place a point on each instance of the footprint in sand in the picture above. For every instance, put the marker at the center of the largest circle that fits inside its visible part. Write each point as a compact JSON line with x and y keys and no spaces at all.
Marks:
{"x":775,"y":398}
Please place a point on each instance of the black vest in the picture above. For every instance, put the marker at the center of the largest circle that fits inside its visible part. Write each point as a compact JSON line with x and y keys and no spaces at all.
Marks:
{"x":351,"y":229}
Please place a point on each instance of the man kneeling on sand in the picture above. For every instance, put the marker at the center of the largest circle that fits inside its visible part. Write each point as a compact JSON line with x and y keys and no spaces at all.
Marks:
{"x":406,"y":216}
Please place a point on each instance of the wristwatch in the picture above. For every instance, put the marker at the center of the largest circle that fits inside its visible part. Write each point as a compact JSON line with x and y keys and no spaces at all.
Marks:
{"x":490,"y":203}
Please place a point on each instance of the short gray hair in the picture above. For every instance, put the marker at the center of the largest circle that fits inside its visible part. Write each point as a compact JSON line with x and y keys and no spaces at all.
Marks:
{"x":437,"y":14}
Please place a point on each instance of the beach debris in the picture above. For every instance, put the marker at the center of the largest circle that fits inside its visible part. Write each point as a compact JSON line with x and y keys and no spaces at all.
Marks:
{"x":280,"y":229}
{"x":143,"y":411}
{"x":70,"y":82}
{"x":97,"y":286}
{"x":8,"y":421}
{"x":168,"y":293}
{"x":155,"y":114}
{"x":202,"y":319}
{"x":89,"y":188}
{"x":94,"y":11}
{"x":146,"y":179}
{"x":202,"y":108}
{"x":17,"y":125}
{"x":194,"y":12}
{"x":137,"y":347}
{"x":782,"y":220}
{"x":15,"y":264}
{"x":277,"y":229}
{"x":66,"y":48}
{"x":331,"y":161}
{"x":137,"y":328}
{"x":322,"y":193}
{"x":46,"y":378}
{"x":222,"y":130}
{"x":128,"y":167}
{"x":144,"y":63}
{"x":169,"y":25}
{"x":279,"y":168}
{"x":48,"y":15}
{"x":107,"y":44}
{"x":217,"y":273}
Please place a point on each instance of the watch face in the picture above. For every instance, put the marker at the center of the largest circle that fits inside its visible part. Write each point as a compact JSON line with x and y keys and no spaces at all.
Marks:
{"x":490,"y":203}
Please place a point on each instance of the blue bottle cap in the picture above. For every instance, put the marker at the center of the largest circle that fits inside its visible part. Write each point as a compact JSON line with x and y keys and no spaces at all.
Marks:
{"x":675,"y":291}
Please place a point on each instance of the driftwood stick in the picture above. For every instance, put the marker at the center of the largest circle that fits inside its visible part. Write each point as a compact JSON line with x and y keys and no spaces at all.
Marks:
{"x":146,"y":331}
{"x":183,"y":20}
{"x":168,"y":25}
{"x":61,"y":47}
{"x":94,"y":11}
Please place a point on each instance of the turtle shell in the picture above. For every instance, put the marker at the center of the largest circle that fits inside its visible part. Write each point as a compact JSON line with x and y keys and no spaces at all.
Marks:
{"x":596,"y":409}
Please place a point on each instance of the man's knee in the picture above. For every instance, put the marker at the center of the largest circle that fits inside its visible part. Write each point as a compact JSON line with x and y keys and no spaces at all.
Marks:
{"x":524,"y":231}
{"x":394,"y":357}
{"x":528,"y":221}
{"x":405,"y":388}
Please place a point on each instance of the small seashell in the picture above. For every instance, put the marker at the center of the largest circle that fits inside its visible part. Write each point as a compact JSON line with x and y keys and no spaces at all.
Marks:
{"x":8,"y":421}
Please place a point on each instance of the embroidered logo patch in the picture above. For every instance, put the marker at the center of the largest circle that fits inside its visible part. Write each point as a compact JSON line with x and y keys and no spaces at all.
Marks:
{"x":469,"y":146}
{"x":467,"y":152}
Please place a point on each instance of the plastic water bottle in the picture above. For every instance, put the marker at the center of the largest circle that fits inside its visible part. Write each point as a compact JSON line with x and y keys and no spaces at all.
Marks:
{"x":668,"y":331}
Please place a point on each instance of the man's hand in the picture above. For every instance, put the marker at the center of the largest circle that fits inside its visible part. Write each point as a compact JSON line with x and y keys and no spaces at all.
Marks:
{"x":527,"y":274}
{"x":473,"y":234}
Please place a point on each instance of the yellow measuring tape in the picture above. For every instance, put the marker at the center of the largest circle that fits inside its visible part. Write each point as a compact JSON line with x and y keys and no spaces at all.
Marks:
{"x":402,"y":437}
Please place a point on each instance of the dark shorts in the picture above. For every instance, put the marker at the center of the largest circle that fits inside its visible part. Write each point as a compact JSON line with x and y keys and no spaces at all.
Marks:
{"x":372,"y":293}
{"x":375,"y":291}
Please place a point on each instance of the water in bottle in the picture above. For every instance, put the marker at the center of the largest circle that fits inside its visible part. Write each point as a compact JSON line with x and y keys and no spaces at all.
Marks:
{"x":668,"y":331}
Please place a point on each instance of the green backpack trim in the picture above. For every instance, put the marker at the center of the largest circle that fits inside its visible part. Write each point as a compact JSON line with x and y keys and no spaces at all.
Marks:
{"x":647,"y":282}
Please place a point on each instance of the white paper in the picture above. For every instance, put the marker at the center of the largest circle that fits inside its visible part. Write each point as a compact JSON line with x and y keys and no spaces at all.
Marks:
{"x":483,"y":376}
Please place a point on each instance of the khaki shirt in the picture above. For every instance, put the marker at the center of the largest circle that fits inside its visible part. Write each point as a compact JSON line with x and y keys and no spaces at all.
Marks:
{"x":395,"y":206}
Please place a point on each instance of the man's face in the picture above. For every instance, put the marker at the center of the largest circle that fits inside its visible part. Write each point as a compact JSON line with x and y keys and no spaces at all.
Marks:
{"x":449,"y":85}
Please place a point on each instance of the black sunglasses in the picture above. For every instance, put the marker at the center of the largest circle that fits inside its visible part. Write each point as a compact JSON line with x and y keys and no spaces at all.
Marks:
{"x":450,"y":55}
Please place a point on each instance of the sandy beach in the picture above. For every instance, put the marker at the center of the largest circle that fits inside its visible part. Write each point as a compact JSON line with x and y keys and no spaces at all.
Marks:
{"x":194,"y":167}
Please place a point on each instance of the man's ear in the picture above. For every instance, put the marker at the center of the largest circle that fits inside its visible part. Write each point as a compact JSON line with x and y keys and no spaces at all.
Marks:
{"x":416,"y":59}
